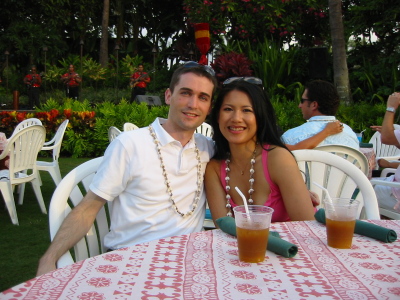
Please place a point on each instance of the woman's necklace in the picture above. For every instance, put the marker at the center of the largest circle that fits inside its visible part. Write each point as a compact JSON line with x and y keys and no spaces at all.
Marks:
{"x":251,"y":180}
{"x":164,"y":171}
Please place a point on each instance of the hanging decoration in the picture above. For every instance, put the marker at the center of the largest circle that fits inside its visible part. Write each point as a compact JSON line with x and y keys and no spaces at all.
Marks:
{"x":202,"y":36}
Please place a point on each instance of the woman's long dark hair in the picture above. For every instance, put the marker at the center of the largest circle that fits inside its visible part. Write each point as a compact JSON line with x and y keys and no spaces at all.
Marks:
{"x":267,"y":130}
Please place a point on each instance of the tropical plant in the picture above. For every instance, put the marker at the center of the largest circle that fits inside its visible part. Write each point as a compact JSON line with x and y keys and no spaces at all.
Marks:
{"x":231,"y":64}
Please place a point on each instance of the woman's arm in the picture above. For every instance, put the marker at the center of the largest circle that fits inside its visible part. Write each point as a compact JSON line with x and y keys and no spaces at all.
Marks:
{"x":285,"y":173}
{"x":387,"y":131}
{"x":214,"y":191}
{"x":330,"y":129}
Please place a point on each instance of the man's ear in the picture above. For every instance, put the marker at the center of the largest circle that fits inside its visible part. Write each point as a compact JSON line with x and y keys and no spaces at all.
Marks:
{"x":168,"y":95}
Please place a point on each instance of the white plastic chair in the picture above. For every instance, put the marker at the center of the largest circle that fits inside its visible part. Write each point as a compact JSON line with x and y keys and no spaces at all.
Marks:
{"x":350,"y":154}
{"x":23,"y":148}
{"x":130,"y":126}
{"x":390,"y":213}
{"x":205,"y":129}
{"x":113,"y":132}
{"x":388,"y":152}
{"x":340,"y":177}
{"x":55,"y":145}
{"x":26,"y":123}
{"x":67,"y":195}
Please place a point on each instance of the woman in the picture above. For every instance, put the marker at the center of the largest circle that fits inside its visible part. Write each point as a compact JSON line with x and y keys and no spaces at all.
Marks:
{"x":251,"y":156}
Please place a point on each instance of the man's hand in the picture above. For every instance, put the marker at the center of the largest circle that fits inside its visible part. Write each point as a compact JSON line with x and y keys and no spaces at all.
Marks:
{"x":376,"y":128}
{"x":45,"y":267}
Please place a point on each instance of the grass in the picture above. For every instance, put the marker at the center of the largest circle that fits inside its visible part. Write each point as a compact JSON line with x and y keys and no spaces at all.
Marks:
{"x":22,"y":246}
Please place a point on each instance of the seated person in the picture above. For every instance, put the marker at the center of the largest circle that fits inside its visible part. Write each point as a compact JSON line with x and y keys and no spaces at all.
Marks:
{"x":250,"y":155}
{"x":319,"y":104}
{"x":389,"y":197}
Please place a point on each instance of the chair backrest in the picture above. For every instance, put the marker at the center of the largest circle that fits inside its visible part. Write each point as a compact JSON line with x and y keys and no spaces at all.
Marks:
{"x":350,"y":154}
{"x":26,"y":123}
{"x":205,"y":129}
{"x":383,"y":150}
{"x":340,"y":177}
{"x":55,"y":143}
{"x":67,"y":195}
{"x":130,"y":126}
{"x":23,"y":148}
{"x":113,"y":132}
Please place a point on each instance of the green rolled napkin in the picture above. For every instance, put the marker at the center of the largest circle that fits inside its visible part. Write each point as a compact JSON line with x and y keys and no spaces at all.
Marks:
{"x":364,"y":228}
{"x":275,"y":243}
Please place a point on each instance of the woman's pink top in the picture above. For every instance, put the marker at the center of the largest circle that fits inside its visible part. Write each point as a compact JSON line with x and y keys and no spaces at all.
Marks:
{"x":274,"y":199}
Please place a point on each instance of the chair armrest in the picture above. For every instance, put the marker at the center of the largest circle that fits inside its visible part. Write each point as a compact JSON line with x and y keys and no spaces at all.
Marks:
{"x":385,"y":183}
{"x":387,"y":171}
{"x":395,"y":158}
{"x":52,"y":141}
{"x":47,"y":148}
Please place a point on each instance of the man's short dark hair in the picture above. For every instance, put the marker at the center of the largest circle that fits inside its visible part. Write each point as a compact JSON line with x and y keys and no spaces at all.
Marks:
{"x":199,"y":71}
{"x":325,"y":94}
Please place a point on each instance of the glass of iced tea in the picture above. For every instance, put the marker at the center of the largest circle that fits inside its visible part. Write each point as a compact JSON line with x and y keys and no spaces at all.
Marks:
{"x":341,"y":215}
{"x":252,"y":232}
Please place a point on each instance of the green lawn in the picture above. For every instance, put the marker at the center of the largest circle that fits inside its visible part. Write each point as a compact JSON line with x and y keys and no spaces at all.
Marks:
{"x":22,"y":246}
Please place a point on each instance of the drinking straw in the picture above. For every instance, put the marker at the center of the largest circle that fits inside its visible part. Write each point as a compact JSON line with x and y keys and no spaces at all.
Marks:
{"x":327,"y":195}
{"x":244,"y":201}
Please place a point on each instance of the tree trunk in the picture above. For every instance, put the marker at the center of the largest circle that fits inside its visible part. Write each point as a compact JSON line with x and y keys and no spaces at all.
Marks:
{"x":104,"y":34}
{"x":340,"y":71}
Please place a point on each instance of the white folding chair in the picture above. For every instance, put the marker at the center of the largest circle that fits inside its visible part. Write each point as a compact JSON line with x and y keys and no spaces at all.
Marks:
{"x":340,"y":177}
{"x":67,"y":195}
{"x":22,"y":148}
{"x":350,"y":154}
{"x":388,"y":152}
{"x":390,"y":213}
{"x":205,"y":129}
{"x":130,"y":126}
{"x":55,"y":145}
{"x":113,"y":132}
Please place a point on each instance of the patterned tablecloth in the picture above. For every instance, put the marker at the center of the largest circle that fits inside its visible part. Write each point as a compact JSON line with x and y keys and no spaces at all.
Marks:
{"x":371,"y":156}
{"x":205,"y":265}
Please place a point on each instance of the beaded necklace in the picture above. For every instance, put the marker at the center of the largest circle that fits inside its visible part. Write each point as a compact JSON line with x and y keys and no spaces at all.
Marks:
{"x":167,"y":182}
{"x":251,"y":180}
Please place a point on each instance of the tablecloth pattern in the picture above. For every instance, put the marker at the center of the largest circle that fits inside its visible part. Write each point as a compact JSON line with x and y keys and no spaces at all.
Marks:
{"x":371,"y":156}
{"x":205,"y":265}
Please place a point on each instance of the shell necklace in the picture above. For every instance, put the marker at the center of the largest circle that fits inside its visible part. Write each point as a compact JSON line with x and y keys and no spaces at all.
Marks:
{"x":251,"y":180}
{"x":167,"y":182}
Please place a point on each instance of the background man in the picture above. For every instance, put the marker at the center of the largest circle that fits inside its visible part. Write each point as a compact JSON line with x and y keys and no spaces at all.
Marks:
{"x":33,"y":82}
{"x":140,"y":166}
{"x":139,"y":81}
{"x":72,"y":80}
{"x":319,"y":104}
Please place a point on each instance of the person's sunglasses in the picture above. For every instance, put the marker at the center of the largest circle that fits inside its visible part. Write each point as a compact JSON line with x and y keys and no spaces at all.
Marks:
{"x":252,"y":80}
{"x":302,"y":100}
{"x":193,"y":64}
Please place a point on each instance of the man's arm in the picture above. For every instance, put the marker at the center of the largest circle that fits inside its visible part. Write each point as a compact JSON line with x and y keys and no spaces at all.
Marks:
{"x":74,"y":227}
{"x":312,"y":142}
{"x":387,"y":130}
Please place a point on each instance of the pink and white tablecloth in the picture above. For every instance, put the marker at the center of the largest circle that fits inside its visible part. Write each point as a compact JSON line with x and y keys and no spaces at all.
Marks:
{"x":205,"y":265}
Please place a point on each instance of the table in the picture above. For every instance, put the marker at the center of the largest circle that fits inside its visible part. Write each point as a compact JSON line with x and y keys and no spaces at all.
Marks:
{"x":371,"y":156}
{"x":205,"y":265}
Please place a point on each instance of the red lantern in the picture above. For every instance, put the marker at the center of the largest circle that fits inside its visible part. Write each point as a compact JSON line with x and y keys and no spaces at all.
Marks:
{"x":202,"y":35}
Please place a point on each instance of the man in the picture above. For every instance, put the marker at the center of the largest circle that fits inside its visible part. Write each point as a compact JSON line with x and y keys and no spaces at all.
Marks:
{"x":152,"y":175}
{"x":319,"y":104}
{"x":139,"y":81}
{"x":72,"y":80}
{"x":33,"y":82}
